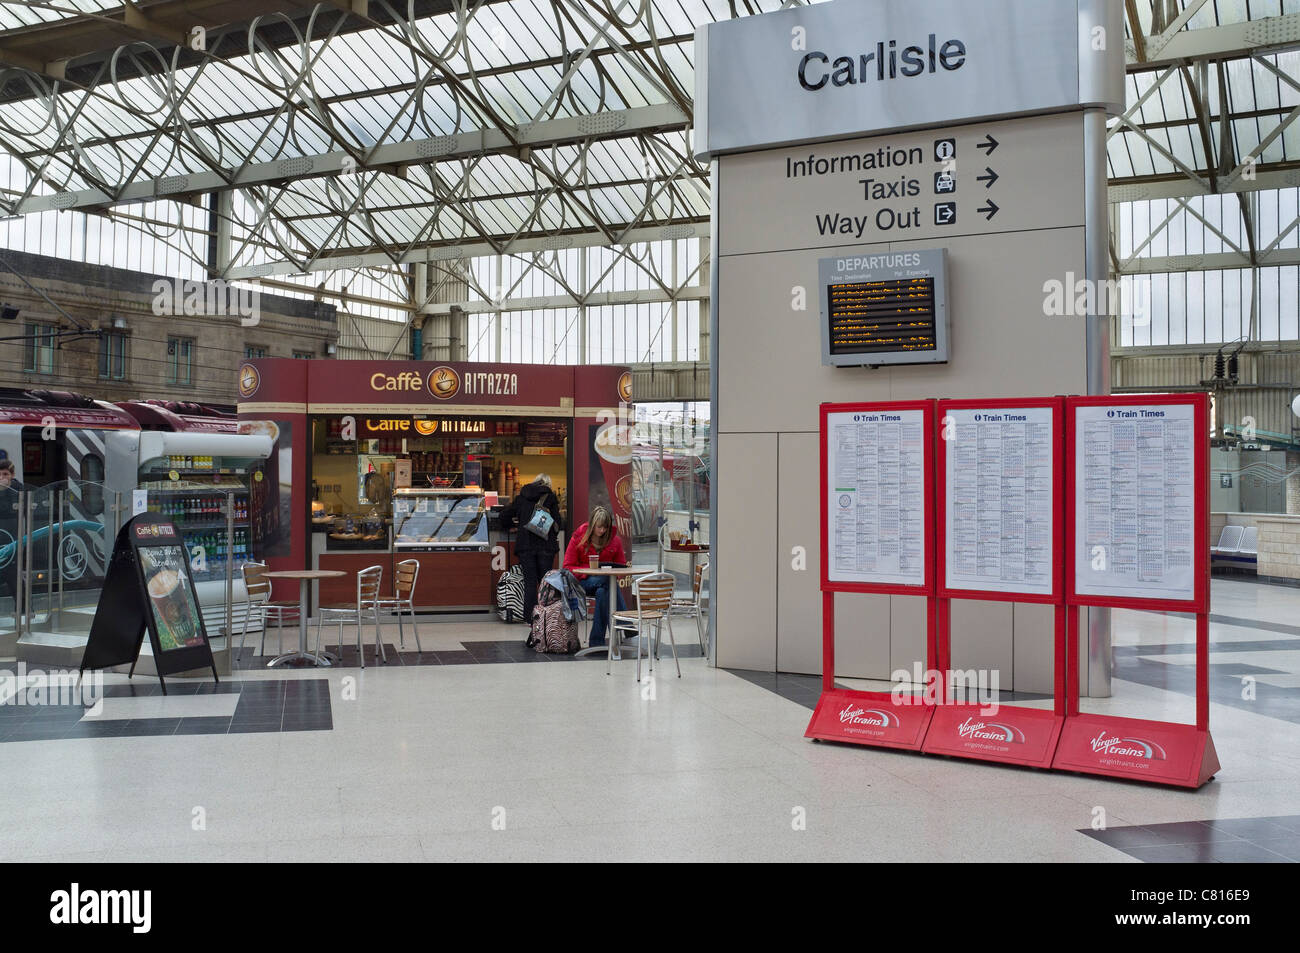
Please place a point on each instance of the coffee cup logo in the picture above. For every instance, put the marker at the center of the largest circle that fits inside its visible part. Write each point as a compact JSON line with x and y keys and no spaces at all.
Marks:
{"x":625,"y":388}
{"x":614,"y":443}
{"x":623,"y":492}
{"x":249,"y":380}
{"x":426,"y":428}
{"x":443,"y":382}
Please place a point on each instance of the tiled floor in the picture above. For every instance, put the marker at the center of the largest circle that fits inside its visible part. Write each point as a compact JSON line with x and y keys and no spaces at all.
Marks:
{"x":473,"y":652}
{"x":460,"y":760}
{"x":1250,"y":840}
{"x":233,"y":707}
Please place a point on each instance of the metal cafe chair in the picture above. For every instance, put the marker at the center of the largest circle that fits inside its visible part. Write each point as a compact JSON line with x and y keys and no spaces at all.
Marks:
{"x":654,"y":599}
{"x":403,"y":601}
{"x":368,"y":581}
{"x":694,"y":605}
{"x":257,"y":601}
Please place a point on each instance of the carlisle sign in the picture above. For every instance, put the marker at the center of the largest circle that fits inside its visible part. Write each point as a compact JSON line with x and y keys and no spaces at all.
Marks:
{"x":773,"y":80}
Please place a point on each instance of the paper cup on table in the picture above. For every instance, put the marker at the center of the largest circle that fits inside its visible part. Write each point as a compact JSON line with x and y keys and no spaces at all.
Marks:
{"x":593,"y":562}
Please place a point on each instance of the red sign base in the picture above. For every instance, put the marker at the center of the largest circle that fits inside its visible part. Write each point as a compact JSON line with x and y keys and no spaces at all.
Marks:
{"x":1155,"y":751}
{"x":869,"y":718}
{"x":1025,"y":736}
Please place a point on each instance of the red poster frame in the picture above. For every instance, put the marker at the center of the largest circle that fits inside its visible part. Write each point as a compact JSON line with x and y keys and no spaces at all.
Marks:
{"x":879,"y":719}
{"x":1011,"y":734}
{"x":1160,"y":752}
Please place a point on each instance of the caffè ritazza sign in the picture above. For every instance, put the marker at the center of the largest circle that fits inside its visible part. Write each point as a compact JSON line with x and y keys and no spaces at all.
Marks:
{"x":447,"y":383}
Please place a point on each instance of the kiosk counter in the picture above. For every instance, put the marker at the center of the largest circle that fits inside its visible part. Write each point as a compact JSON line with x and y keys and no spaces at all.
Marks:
{"x":370,"y":452}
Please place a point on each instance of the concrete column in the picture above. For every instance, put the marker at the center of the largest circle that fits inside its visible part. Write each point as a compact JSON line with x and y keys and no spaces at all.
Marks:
{"x":445,"y":333}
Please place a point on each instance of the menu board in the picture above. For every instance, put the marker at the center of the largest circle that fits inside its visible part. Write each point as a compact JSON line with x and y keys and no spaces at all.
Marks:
{"x":171,"y":597}
{"x":148,"y":588}
{"x":1135,"y":501}
{"x":875,"y":470}
{"x":1000,"y":502}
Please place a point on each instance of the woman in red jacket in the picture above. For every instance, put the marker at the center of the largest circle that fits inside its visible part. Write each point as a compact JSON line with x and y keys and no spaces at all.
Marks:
{"x":596,"y":537}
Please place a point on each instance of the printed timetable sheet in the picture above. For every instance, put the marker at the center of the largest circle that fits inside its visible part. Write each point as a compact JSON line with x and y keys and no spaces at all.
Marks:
{"x":1135,"y":509}
{"x":876,"y":467}
{"x":1000,"y":511}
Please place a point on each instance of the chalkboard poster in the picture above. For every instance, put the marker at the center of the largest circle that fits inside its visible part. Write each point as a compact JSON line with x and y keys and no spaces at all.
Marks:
{"x":148,"y":587}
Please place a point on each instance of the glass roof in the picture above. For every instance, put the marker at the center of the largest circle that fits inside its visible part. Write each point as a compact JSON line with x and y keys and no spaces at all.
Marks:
{"x":264,"y":108}
{"x":29,"y":12}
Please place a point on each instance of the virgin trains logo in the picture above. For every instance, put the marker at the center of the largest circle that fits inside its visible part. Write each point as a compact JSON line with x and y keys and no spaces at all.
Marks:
{"x":990,"y":731}
{"x":874,"y":717}
{"x":1128,"y":747}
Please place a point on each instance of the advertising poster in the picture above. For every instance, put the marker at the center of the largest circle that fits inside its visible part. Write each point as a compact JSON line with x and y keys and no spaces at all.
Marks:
{"x":610,"y":476}
{"x":171,"y":599}
{"x":272,"y":489}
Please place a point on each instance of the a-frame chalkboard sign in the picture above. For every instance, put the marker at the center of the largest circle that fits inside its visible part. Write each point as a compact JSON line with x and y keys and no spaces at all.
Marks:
{"x":148,"y":587}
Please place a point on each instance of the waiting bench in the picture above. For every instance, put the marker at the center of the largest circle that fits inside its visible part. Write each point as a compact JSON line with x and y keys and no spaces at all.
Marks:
{"x":1237,"y":544}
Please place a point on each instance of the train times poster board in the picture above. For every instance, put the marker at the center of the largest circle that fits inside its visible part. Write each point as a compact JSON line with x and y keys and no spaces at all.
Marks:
{"x":877,"y":494}
{"x":1138,"y":501}
{"x":1000,"y":524}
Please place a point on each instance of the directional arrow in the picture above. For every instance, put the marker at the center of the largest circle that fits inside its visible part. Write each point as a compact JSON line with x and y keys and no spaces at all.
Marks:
{"x":989,"y":144}
{"x":990,"y":178}
{"x":988,"y":211}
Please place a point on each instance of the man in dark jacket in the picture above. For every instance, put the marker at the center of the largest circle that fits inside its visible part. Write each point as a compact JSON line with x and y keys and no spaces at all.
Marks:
{"x":535,"y":553}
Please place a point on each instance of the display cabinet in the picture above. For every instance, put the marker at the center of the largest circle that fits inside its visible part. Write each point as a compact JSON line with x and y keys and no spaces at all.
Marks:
{"x":430,"y":520}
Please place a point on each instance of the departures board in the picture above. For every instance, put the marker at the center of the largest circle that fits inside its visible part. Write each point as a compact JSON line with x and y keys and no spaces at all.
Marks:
{"x":884,"y":308}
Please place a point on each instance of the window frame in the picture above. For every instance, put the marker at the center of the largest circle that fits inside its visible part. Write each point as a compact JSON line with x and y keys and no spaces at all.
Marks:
{"x":38,"y":338}
{"x":174,"y":347}
{"x":107,"y":357}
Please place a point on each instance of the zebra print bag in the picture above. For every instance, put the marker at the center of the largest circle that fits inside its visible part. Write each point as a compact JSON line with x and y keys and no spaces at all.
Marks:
{"x":510,"y":595}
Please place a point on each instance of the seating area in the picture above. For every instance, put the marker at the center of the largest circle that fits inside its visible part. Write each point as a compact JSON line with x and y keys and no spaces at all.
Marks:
{"x":1237,"y":546}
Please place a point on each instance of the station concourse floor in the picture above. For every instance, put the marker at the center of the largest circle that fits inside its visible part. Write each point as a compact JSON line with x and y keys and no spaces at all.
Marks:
{"x":485,"y":751}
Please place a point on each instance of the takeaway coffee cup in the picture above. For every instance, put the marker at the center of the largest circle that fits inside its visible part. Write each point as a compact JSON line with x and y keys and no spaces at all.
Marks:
{"x":593,"y":562}
{"x":168,"y":597}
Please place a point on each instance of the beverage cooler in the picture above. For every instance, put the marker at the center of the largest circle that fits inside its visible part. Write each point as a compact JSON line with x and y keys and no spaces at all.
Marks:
{"x":190,"y":479}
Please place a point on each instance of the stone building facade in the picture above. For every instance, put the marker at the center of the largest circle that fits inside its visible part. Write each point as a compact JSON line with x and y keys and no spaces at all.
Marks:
{"x":148,"y":336}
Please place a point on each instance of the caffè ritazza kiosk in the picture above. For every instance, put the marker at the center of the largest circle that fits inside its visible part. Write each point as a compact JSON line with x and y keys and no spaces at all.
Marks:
{"x":894,"y":184}
{"x":380,"y":461}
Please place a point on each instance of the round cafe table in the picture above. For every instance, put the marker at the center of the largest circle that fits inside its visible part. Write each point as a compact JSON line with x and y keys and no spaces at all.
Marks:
{"x":610,"y":632}
{"x":304,"y":577}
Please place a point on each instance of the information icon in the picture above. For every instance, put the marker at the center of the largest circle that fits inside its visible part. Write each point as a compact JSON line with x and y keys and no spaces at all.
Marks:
{"x":945,"y":149}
